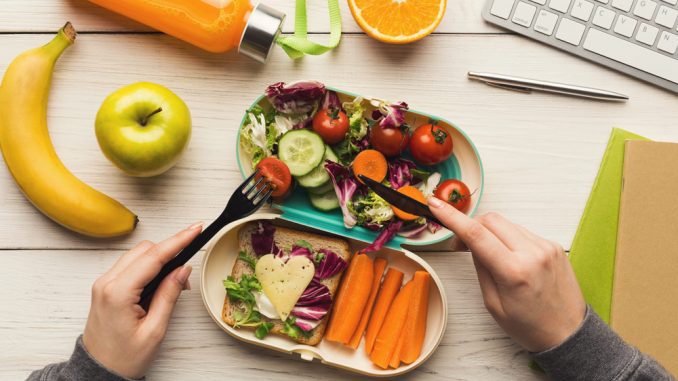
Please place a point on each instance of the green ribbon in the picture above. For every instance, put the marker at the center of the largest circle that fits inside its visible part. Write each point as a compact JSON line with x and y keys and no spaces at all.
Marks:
{"x":297,"y":45}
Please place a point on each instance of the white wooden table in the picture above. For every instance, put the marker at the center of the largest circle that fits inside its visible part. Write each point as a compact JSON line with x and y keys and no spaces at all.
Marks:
{"x":540,"y":153}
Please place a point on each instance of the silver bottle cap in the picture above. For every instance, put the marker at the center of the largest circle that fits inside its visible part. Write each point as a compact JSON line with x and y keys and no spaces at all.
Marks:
{"x":261,"y":31}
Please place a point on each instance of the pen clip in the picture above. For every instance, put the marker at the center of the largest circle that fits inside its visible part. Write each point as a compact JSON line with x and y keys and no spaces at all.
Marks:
{"x":519,"y":89}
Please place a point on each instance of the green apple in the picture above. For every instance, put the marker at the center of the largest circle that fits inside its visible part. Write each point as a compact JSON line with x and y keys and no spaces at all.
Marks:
{"x":143,"y":128}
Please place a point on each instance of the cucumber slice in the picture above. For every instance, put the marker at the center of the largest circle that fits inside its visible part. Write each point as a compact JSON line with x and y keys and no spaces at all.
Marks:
{"x":301,"y":151}
{"x":328,"y":186}
{"x":325,"y":202}
{"x":318,"y":176}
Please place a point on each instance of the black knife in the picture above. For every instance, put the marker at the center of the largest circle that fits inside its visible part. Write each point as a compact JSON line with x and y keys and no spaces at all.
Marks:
{"x":399,"y":200}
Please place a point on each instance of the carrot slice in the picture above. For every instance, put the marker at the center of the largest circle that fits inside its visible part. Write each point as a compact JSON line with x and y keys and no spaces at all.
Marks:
{"x":370,"y":163}
{"x":387,"y":340}
{"x":379,"y":266}
{"x":395,"y":358}
{"x":351,"y":300}
{"x":389,"y":289}
{"x":416,"y":194}
{"x":415,"y":328}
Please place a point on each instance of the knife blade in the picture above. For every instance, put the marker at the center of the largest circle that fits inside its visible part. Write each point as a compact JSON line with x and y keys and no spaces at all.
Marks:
{"x":399,"y":200}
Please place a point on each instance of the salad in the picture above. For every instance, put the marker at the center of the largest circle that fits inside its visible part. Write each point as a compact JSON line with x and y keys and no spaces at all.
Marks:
{"x":309,"y":136}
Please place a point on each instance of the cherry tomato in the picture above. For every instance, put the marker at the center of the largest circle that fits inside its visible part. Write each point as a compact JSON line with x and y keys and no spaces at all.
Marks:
{"x":456,"y":193}
{"x":331,"y":125}
{"x":277,"y":173}
{"x":431,"y":144}
{"x":389,"y":141}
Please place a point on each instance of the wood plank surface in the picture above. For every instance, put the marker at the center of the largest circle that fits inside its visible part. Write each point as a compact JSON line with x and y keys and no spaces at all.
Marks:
{"x":540,"y":152}
{"x":45,"y":298}
{"x":540,"y":155}
{"x":462,"y":16}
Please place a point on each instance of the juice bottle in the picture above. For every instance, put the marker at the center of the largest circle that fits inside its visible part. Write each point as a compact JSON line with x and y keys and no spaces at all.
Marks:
{"x":213,"y":25}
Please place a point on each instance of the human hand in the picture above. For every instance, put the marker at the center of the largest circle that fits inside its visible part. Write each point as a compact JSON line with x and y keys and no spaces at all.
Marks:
{"x":527,"y":282}
{"x":119,"y":333}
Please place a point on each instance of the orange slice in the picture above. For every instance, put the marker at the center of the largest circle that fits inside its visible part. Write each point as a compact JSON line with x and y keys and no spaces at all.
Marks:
{"x":398,"y":21}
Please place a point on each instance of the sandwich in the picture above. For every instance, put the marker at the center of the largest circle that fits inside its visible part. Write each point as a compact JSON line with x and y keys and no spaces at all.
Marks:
{"x":284,"y":282}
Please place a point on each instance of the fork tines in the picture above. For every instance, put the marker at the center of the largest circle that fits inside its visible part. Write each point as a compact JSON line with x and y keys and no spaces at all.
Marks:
{"x":258,"y":192}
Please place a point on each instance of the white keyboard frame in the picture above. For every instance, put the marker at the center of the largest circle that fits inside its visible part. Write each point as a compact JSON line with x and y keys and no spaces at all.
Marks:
{"x":579,"y":50}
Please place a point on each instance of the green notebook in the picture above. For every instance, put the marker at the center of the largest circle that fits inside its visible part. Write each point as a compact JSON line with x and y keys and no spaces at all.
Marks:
{"x":593,"y":249}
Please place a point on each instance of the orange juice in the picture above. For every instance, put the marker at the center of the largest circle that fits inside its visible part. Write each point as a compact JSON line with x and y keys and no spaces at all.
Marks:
{"x":213,"y":25}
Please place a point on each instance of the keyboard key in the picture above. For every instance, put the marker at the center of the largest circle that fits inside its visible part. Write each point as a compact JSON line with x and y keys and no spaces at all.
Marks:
{"x":540,"y":2}
{"x":570,"y":31}
{"x":624,"y":5}
{"x":502,"y":8}
{"x":668,"y":42}
{"x":632,"y":55}
{"x":625,"y":26}
{"x":666,"y":16}
{"x":672,"y":2}
{"x":560,"y":5}
{"x":524,"y":14}
{"x":603,"y":17}
{"x":647,"y":34}
{"x":582,"y":10}
{"x":546,"y":22}
{"x":645,"y":9}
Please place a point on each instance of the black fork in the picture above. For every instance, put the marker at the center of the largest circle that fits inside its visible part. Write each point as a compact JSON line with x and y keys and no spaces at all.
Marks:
{"x":246,"y":199}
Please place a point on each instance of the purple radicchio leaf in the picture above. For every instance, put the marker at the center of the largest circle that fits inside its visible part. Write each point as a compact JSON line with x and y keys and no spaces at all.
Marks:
{"x":331,"y":264}
{"x":314,"y":303}
{"x":295,"y":98}
{"x":331,"y":101}
{"x":384,"y":237}
{"x":315,"y":294}
{"x":345,"y":186}
{"x":412,"y":230}
{"x":262,"y":240}
{"x":299,"y":250}
{"x":394,"y":115}
{"x":433,"y":226}
{"x":399,"y":174}
{"x":306,"y":325}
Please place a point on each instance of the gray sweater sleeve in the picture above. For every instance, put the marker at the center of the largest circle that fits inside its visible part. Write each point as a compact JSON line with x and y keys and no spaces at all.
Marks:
{"x":595,"y":352}
{"x":80,"y":367}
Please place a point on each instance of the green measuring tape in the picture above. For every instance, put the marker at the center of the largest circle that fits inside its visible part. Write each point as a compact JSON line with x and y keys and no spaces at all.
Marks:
{"x":297,"y":45}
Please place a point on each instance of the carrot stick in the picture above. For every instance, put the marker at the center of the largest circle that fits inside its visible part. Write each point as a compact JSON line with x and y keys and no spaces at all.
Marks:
{"x":415,"y":193}
{"x":370,"y":163}
{"x":350,"y":303}
{"x":387,"y":292}
{"x":395,"y":358}
{"x":387,"y":340}
{"x":415,"y":327}
{"x":379,"y":266}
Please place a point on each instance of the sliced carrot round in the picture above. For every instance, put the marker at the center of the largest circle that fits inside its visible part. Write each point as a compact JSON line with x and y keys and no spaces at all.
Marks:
{"x":416,"y":194}
{"x":370,"y":163}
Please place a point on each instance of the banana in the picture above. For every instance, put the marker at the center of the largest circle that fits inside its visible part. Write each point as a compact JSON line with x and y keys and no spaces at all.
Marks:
{"x":30,"y":155}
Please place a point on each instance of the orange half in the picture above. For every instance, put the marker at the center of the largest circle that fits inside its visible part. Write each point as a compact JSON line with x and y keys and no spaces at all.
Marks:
{"x":398,"y":21}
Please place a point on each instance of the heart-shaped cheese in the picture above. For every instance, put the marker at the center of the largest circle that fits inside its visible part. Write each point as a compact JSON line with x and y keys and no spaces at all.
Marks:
{"x":283,"y":283}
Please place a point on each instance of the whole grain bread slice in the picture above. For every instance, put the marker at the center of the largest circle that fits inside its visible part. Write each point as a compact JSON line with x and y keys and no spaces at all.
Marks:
{"x":284,"y":239}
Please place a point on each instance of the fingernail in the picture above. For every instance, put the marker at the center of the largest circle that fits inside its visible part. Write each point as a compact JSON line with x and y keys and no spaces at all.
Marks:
{"x":435,"y":202}
{"x":182,"y":275}
{"x":195,"y":226}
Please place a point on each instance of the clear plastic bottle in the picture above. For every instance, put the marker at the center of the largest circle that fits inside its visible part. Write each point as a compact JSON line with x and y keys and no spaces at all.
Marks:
{"x":213,"y":25}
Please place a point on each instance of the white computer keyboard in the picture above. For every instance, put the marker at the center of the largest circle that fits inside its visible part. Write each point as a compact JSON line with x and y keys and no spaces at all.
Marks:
{"x":638,"y":37}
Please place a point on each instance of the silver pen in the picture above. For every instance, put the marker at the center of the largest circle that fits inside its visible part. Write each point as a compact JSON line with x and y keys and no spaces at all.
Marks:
{"x":526,"y":85}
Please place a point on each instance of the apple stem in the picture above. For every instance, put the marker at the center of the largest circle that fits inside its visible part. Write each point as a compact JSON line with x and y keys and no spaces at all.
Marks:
{"x":145,"y":120}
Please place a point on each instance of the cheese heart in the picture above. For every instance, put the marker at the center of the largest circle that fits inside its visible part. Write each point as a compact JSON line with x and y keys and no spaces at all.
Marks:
{"x":283,"y":283}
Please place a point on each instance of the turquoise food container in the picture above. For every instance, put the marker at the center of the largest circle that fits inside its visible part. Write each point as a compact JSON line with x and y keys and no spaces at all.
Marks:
{"x":464,"y":164}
